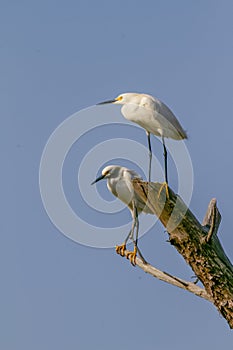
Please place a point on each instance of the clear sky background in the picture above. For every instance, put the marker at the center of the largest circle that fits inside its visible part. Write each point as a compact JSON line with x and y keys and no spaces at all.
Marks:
{"x":58,"y":57}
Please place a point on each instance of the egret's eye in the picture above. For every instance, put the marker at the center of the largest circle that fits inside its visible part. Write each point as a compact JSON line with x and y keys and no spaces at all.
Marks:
{"x":106,"y":173}
{"x":119,"y":98}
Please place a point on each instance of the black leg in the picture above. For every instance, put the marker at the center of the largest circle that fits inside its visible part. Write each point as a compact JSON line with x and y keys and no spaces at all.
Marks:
{"x":121,"y":249}
{"x":165,"y":160}
{"x":127,"y":238}
{"x":131,"y":232}
{"x":150,"y":155}
{"x":137,"y":231}
{"x":132,"y":255}
{"x":136,"y":225}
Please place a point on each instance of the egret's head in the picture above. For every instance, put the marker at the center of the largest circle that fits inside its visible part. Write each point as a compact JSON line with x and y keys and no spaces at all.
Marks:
{"x":128,"y":97}
{"x":110,"y":171}
{"x":118,"y":173}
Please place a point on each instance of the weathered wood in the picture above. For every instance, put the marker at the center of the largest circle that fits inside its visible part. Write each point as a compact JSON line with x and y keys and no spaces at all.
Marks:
{"x":198,"y":244}
{"x":212,"y":219}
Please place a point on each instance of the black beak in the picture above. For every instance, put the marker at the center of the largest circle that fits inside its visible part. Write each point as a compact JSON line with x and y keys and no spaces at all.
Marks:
{"x":106,"y":102}
{"x":98,"y":179}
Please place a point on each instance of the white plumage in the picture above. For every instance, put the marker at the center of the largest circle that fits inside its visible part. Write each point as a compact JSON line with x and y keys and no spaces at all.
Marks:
{"x":119,"y":182}
{"x":152,"y":115}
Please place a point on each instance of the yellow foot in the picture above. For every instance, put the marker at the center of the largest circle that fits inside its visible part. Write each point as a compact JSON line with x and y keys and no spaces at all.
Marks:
{"x":164,"y":184}
{"x":120,"y":249}
{"x":132,"y":256}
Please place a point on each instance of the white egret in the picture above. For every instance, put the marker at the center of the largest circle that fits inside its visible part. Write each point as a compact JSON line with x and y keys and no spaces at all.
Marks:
{"x":119,"y":182}
{"x":152,"y":115}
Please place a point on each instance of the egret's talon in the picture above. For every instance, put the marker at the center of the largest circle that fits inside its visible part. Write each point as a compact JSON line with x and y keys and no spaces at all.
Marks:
{"x":120,"y":249}
{"x":164,"y":184}
{"x":132,"y":256}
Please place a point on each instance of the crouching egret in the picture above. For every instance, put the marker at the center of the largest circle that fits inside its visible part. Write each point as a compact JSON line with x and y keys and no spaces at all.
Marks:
{"x":119,"y":182}
{"x":152,"y":115}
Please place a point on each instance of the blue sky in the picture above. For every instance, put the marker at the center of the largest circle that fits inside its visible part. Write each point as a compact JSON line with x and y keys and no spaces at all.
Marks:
{"x":58,"y":57}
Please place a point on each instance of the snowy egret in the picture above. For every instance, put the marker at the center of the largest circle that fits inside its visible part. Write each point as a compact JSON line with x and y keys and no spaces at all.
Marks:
{"x":154,"y":116}
{"x":119,"y":182}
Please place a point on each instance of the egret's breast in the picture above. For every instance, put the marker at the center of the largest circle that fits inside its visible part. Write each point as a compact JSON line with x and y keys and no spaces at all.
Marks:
{"x":122,"y":190}
{"x":132,"y":112}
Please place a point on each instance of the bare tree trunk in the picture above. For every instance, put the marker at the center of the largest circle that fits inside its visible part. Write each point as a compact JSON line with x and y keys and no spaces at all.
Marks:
{"x":198,"y":244}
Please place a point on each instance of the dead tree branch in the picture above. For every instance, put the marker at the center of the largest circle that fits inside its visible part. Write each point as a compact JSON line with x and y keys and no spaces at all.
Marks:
{"x":175,"y":281}
{"x":198,"y":244}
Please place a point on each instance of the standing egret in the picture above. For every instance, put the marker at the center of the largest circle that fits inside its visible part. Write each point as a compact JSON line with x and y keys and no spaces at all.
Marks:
{"x":152,"y":115}
{"x":119,"y":182}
